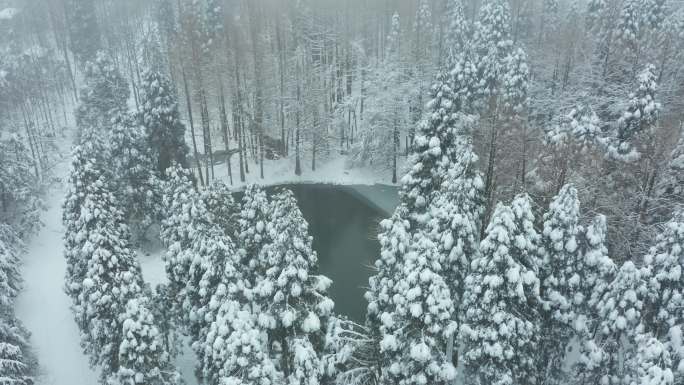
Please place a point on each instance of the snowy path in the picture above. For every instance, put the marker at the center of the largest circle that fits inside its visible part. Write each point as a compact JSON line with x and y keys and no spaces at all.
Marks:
{"x":44,"y":307}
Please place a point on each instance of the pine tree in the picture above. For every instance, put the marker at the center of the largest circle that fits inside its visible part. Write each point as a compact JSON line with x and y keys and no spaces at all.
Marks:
{"x":501,"y":328}
{"x":255,"y":214}
{"x":619,"y":312}
{"x":20,"y":202}
{"x":598,"y":272}
{"x":143,"y":359}
{"x":137,"y":182}
{"x":236,"y":348}
{"x":641,"y":115}
{"x":394,"y":38}
{"x":416,"y":327}
{"x":17,"y":366}
{"x":457,"y":35}
{"x":200,"y":260}
{"x":220,"y":203}
{"x":10,"y":278}
{"x":104,"y":97}
{"x":291,"y":298}
{"x":663,"y":265}
{"x":492,"y":44}
{"x":84,"y":32}
{"x":561,"y":280}
{"x":654,"y":360}
{"x":85,"y":179}
{"x":423,"y":29}
{"x":160,"y":116}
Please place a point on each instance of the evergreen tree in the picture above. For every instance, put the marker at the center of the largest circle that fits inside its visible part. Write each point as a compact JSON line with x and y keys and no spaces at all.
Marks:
{"x":160,"y":116}
{"x":104,"y":97}
{"x":655,"y":363}
{"x":292,"y":299}
{"x":85,"y":180}
{"x":457,"y":34}
{"x":255,"y":214}
{"x":143,"y":359}
{"x":560,"y":285}
{"x":220,"y":203}
{"x":10,"y":277}
{"x":423,"y":29}
{"x":416,"y":327}
{"x":20,"y":202}
{"x":492,"y":44}
{"x":663,"y":266}
{"x":394,"y":38}
{"x":235,"y":349}
{"x":137,"y":184}
{"x":84,"y":32}
{"x":598,"y":272}
{"x":200,"y":260}
{"x":640,"y":116}
{"x":501,"y":328}
{"x":619,"y":312}
{"x":17,"y":366}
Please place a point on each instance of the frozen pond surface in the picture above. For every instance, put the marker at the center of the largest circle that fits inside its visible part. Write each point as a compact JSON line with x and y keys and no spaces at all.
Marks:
{"x":343,"y":221}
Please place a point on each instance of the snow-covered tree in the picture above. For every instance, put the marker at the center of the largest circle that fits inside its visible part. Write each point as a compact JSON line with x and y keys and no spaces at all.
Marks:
{"x":200,"y":260}
{"x":85,"y":179}
{"x":492,"y":43}
{"x":10,"y":277}
{"x":457,"y":34}
{"x":20,"y":201}
{"x":418,"y":323}
{"x":423,"y":30}
{"x":598,"y":272}
{"x":236,"y":348}
{"x":160,"y":116}
{"x":654,"y":362}
{"x":17,"y":365}
{"x":104,"y":96}
{"x":619,"y":312}
{"x":640,"y":116}
{"x":500,"y":330}
{"x":394,"y":38}
{"x":580,"y":128}
{"x":137,"y":182}
{"x":663,"y":267}
{"x":220,"y":203}
{"x":84,"y":32}
{"x":255,"y":213}
{"x":143,"y":358}
{"x":561,"y":255}
{"x":292,"y":299}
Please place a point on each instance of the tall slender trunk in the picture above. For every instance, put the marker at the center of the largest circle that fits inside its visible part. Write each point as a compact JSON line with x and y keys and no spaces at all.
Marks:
{"x":225,"y":130}
{"x":192,"y":126}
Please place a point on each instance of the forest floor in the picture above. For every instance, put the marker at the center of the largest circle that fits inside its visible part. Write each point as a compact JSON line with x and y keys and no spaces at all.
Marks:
{"x":43,"y":305}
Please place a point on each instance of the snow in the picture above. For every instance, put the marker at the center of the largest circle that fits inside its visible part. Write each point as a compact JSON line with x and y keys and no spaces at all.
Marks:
{"x":45,"y":308}
{"x":8,"y":13}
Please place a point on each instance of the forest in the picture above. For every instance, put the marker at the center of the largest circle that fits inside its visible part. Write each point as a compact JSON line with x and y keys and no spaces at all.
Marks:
{"x":137,"y":134}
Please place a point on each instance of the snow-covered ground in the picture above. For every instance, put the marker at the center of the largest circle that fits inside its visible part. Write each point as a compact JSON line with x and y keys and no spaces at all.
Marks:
{"x":44,"y":307}
{"x":281,"y":171}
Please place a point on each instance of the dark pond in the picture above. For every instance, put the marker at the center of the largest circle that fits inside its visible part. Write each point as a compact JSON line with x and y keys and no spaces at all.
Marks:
{"x":343,"y":222}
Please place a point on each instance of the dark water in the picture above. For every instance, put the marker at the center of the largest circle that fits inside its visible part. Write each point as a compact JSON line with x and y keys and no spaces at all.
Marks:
{"x":344,"y":229}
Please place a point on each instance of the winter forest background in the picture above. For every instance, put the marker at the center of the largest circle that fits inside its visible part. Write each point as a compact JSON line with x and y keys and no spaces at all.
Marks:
{"x":126,"y":123}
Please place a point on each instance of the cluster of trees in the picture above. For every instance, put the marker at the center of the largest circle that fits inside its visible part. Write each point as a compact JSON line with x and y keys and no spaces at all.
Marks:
{"x":242,"y":284}
{"x":33,"y":94}
{"x":114,"y":192}
{"x":491,"y":289}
